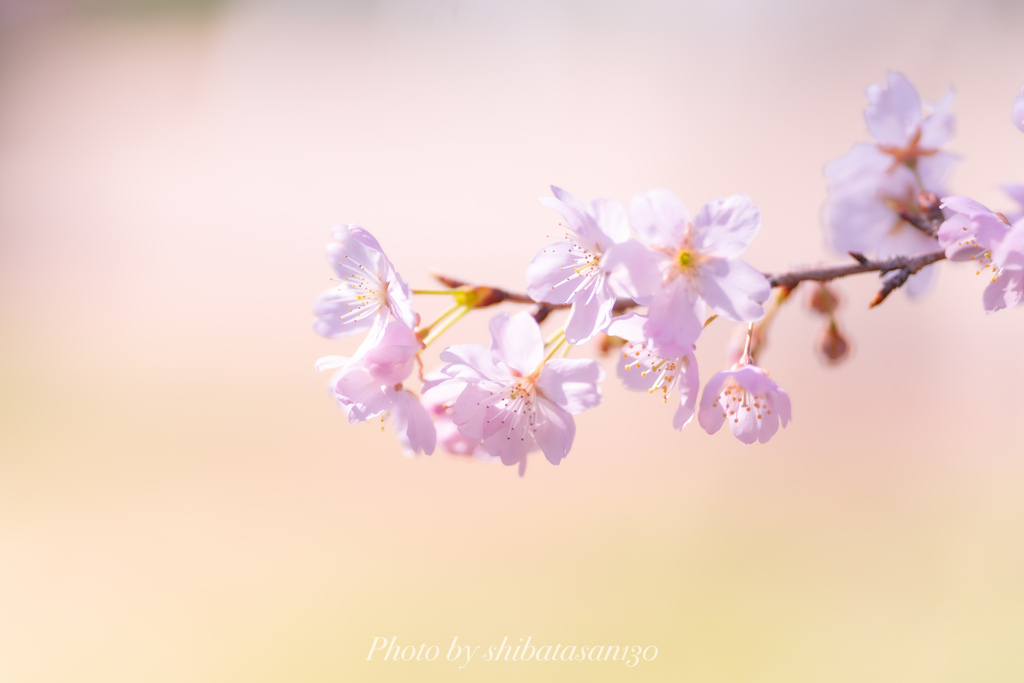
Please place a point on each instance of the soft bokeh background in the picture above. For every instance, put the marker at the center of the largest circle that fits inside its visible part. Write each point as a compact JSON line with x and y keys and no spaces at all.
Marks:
{"x":181,"y":501}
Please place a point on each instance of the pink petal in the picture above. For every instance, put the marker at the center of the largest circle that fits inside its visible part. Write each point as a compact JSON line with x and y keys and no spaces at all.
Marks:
{"x":610,"y":221}
{"x":412,"y":423}
{"x":688,"y":388}
{"x":572,"y":384}
{"x":335,"y":317}
{"x":767,"y":426}
{"x":551,"y":274}
{"x":711,"y":416}
{"x":586,"y":319}
{"x":1003,"y":292}
{"x":360,"y":394}
{"x":859,"y":168}
{"x":659,"y":218}
{"x":937,"y":128}
{"x":744,"y":425}
{"x":734,"y":289}
{"x":472,"y":362}
{"x":857,"y":222}
{"x":468,"y":412}
{"x":630,"y":327}
{"x":554,"y":432}
{"x":633,"y":270}
{"x":725,"y":227}
{"x":894,"y":110}
{"x":516,"y":340}
{"x":674,"y":318}
{"x":510,"y":446}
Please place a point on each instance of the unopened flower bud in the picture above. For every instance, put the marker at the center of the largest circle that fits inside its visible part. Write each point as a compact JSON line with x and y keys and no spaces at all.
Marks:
{"x":833,"y":345}
{"x":823,"y":299}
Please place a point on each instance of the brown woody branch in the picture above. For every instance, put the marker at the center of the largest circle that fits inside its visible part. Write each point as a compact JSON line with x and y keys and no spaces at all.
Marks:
{"x":902,"y":267}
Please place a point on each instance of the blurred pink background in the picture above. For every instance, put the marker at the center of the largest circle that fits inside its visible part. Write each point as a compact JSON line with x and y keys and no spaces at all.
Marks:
{"x":181,"y":501}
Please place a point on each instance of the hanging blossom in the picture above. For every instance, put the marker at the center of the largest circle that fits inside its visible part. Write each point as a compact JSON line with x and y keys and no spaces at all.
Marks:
{"x":698,"y":264}
{"x":371,"y":385}
{"x":439,"y":395}
{"x":367,"y":293}
{"x":643,"y":367}
{"x":874,"y":183}
{"x":515,"y":400}
{"x":976,"y":233}
{"x":595,"y":264}
{"x":745,"y":397}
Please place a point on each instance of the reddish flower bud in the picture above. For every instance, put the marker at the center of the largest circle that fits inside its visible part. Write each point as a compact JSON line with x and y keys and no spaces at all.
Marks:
{"x":833,"y":345}
{"x":823,"y":299}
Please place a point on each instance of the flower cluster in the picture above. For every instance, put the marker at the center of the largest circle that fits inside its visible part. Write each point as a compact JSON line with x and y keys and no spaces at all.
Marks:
{"x":647,"y":280}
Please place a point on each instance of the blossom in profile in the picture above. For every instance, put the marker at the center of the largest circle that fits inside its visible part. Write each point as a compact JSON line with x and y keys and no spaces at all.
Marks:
{"x":643,"y":367}
{"x":367,"y":293}
{"x":1018,"y":111}
{"x":515,"y":400}
{"x":595,"y":264}
{"x":698,"y":264}
{"x":748,"y":400}
{"x":370,"y":385}
{"x":973,"y":232}
{"x":875,"y":186}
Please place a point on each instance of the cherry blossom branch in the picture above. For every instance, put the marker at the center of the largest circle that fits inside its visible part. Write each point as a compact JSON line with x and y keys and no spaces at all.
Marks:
{"x":903,"y":266}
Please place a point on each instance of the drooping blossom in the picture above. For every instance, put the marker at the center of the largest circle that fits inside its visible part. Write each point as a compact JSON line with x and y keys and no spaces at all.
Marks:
{"x":514,"y":401}
{"x":595,"y":264}
{"x":367,"y":292}
{"x":370,"y":385}
{"x":439,"y":395}
{"x":748,"y":400}
{"x":698,"y":265}
{"x":874,"y":185}
{"x":976,"y":233}
{"x":1018,"y":111}
{"x":643,"y":367}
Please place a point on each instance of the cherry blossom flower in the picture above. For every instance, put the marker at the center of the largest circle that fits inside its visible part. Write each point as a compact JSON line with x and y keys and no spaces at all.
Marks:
{"x":698,"y":263}
{"x":874,"y":184}
{"x":748,"y":400}
{"x":368,"y":291}
{"x":439,"y":395}
{"x":1018,"y":111}
{"x":370,"y":385}
{"x":976,"y":233}
{"x":515,"y":400}
{"x":595,"y":264}
{"x":644,"y":368}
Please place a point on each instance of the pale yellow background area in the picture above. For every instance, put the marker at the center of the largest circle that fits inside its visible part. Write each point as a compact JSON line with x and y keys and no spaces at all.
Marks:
{"x":180,"y":500}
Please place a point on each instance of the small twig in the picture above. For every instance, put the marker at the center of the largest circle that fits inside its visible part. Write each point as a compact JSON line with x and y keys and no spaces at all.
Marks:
{"x":826,"y":273}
